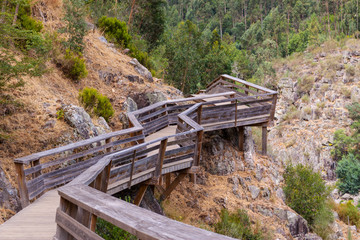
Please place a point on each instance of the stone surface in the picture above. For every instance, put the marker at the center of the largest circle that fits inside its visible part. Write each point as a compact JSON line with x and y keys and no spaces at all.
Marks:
{"x":254,"y":191}
{"x":130,"y":105}
{"x":8,"y":194}
{"x":297,"y":225}
{"x":143,"y":71}
{"x":79,"y":119}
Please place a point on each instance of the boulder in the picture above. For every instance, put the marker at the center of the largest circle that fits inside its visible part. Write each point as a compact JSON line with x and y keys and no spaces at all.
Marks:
{"x":8,"y":194}
{"x":309,"y":236}
{"x":254,"y":191}
{"x":264,"y":211}
{"x":297,"y":225}
{"x":155,"y":97}
{"x":280,"y":213}
{"x":143,"y":71}
{"x":79,"y":119}
{"x":130,"y":105}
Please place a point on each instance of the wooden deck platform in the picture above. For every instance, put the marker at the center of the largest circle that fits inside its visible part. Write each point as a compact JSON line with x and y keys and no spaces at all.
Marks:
{"x":35,"y":222}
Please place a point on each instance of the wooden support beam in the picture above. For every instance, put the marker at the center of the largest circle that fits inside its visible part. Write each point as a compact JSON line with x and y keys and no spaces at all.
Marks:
{"x":197,"y":154}
{"x":167,"y":180}
{"x":199,"y":112}
{"x":24,"y":196}
{"x":172,"y":186}
{"x":241,"y":138}
{"x":132,"y":168}
{"x":160,"y":161}
{"x":140,"y":194}
{"x":264,"y":139}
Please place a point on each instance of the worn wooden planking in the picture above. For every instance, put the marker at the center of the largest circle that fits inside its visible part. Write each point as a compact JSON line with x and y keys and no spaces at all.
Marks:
{"x":35,"y":222}
{"x":135,"y":220}
{"x":159,"y":116}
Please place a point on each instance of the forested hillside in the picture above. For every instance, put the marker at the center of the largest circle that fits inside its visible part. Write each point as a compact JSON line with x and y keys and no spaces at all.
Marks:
{"x":197,"y":39}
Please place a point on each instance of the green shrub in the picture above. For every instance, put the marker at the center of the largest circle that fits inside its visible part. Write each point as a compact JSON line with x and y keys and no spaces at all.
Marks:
{"x":236,"y":225}
{"x":348,"y":173}
{"x":60,"y":114}
{"x":115,"y":30}
{"x":305,"y":191}
{"x":346,"y":210}
{"x":74,"y":66}
{"x":96,"y":103}
{"x":341,"y":145}
{"x":322,"y":223}
{"x":109,"y":231}
{"x":29,"y":23}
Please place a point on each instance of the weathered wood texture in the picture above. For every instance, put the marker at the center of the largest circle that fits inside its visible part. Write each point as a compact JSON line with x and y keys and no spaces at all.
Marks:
{"x":163,"y":138}
{"x":140,"y":222}
{"x":35,"y":222}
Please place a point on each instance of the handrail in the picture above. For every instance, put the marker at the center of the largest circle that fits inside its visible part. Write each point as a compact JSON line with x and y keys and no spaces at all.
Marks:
{"x":146,"y":161}
{"x":225,"y":76}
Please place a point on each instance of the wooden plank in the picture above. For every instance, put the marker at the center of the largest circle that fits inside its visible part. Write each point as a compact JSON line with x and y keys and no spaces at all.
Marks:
{"x":172,"y":186}
{"x":140,"y":194}
{"x":74,"y":228}
{"x":69,"y":147}
{"x":24,"y":196}
{"x":225,"y":76}
{"x":140,"y":222}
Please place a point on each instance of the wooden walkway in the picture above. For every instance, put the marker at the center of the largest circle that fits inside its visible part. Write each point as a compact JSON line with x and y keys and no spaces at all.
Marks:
{"x":35,"y":222}
{"x":164,"y":138}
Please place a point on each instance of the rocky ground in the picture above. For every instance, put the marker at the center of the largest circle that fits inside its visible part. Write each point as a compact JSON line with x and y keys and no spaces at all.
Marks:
{"x":304,"y":127}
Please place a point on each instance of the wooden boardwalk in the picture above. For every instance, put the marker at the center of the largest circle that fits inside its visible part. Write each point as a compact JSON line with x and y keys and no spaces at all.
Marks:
{"x":35,"y":222}
{"x":163,"y":138}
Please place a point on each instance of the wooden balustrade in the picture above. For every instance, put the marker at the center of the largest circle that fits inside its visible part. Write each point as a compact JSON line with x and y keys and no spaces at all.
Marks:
{"x":45,"y":170}
{"x":115,"y":161}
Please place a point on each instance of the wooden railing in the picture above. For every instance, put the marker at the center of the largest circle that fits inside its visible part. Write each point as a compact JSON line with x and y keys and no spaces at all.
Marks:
{"x":83,"y":201}
{"x":45,"y":170}
{"x":115,"y":161}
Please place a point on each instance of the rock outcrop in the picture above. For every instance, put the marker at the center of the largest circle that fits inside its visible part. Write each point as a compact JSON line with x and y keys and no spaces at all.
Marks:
{"x":80,"y":120}
{"x":143,"y":71}
{"x":8,"y":194}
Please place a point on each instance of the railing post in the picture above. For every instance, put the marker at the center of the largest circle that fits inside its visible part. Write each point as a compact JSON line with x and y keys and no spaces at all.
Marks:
{"x":199,"y":112}
{"x":109,"y":149}
{"x":197,"y":153}
{"x":23,"y":191}
{"x":273,"y":106}
{"x":132,"y":168}
{"x":160,"y":162}
{"x":264,"y":139}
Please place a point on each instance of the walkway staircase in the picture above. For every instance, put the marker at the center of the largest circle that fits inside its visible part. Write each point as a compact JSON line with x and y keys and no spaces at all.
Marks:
{"x":163,"y":139}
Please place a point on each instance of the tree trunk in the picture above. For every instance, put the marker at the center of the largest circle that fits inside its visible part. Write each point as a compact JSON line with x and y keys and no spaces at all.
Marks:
{"x":16,"y":13}
{"x":328,"y":15}
{"x":245,"y":7}
{"x":131,"y":12}
{"x":184,"y":78}
{"x":220,"y":21}
{"x":261,"y":14}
